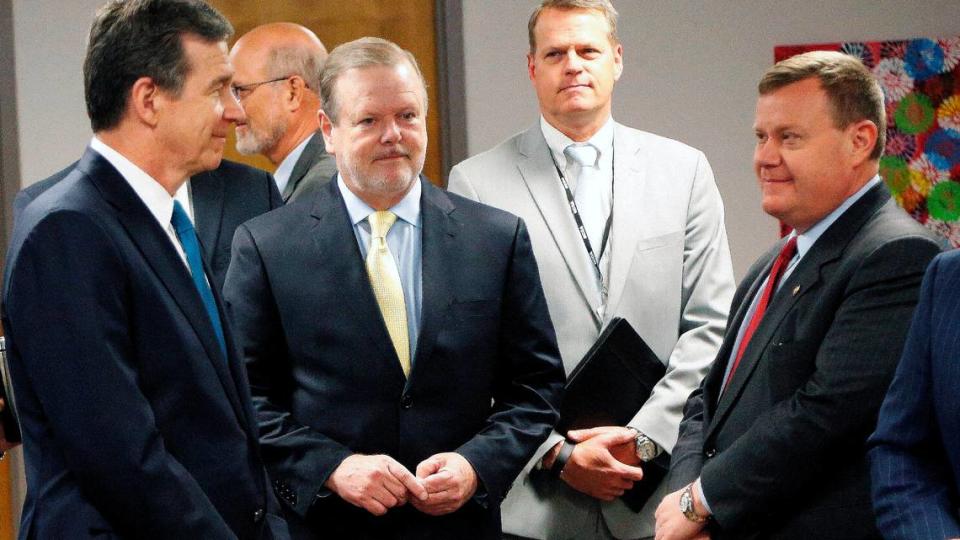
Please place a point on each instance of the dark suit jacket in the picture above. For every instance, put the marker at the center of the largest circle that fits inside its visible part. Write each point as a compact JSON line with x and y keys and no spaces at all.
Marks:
{"x":782,"y":453}
{"x":327,"y":383}
{"x":915,"y":453}
{"x":222,"y":199}
{"x":313,"y":169}
{"x":134,"y":423}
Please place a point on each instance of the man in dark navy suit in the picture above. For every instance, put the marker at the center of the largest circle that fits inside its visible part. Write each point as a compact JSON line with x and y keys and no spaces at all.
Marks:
{"x":221,"y":200}
{"x":400,"y":351}
{"x":134,"y":407}
{"x":915,"y":454}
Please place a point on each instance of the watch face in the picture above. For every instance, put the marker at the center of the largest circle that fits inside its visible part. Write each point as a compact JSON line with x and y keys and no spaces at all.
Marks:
{"x":647,"y":450}
{"x":686,"y":502}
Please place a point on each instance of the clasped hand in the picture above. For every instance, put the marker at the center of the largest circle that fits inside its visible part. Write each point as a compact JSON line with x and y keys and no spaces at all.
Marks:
{"x":604,"y":463}
{"x":443,"y":483}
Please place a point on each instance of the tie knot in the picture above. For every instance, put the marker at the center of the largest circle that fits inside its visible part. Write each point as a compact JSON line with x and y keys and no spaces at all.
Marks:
{"x":380,"y":223}
{"x":586,"y":155}
{"x":180,"y":220}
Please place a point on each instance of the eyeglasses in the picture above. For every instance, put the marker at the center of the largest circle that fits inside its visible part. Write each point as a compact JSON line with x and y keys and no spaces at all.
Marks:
{"x":241,"y":91}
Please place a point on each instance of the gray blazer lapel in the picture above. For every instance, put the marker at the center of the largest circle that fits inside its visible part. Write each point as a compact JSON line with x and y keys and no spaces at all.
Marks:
{"x":302,"y":166}
{"x":540,"y":175}
{"x":629,"y":171}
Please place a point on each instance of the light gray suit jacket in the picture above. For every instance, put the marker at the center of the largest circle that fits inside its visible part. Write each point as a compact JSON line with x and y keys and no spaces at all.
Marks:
{"x":314,"y":169}
{"x":670,"y":276}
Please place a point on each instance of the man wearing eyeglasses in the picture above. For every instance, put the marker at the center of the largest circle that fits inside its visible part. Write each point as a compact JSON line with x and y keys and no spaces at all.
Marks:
{"x":277,"y":76}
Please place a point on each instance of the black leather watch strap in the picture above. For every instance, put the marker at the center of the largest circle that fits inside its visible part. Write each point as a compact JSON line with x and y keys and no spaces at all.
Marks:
{"x":562,"y":457}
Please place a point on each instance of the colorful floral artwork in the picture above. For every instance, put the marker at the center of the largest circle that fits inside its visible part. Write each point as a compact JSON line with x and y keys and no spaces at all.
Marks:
{"x":921,"y":162}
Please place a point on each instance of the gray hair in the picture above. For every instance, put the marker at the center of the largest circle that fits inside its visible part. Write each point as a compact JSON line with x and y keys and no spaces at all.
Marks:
{"x":361,"y":53}
{"x":142,"y":38}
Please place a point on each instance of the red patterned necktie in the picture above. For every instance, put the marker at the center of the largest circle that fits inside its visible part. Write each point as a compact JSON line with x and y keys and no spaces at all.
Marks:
{"x":787,"y":253}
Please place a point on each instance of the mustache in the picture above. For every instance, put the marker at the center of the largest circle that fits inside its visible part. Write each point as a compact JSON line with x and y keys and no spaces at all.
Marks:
{"x":392,"y":153}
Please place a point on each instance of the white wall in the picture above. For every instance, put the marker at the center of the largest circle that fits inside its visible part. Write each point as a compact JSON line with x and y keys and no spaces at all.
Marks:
{"x":49,"y":42}
{"x":691,"y":69}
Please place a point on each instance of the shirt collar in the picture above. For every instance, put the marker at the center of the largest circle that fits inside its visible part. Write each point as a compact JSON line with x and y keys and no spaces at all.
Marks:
{"x":408,"y":209}
{"x":153,"y":195}
{"x":283,"y":172}
{"x":806,"y":240}
{"x":558,"y":142}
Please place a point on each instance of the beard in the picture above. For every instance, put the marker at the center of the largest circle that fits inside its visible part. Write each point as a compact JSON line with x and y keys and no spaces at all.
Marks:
{"x":259,"y":140}
{"x":382,"y":185}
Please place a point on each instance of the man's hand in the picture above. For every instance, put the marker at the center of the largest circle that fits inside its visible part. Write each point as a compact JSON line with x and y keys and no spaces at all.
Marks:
{"x":375,"y":483}
{"x":593,"y":469}
{"x":449,"y":480}
{"x":4,"y":444}
{"x":673,"y":525}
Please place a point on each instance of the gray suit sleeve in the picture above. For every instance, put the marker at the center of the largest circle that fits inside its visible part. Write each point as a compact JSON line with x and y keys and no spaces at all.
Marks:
{"x":707,"y":288}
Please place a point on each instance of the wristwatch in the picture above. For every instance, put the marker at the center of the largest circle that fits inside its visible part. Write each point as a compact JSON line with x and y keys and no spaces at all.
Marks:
{"x":647,"y":449}
{"x":686,"y":505}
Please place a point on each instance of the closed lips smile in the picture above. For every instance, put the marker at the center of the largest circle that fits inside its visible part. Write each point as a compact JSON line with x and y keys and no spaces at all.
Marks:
{"x":574,"y":87}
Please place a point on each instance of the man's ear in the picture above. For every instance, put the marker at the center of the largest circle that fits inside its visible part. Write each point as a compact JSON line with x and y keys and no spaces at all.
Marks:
{"x":617,"y":61}
{"x":294,"y":89}
{"x":863,"y":138}
{"x":146,"y":101}
{"x":326,"y":128}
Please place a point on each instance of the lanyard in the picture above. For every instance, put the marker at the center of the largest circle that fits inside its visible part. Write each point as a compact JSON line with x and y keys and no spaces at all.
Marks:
{"x":594,"y":258}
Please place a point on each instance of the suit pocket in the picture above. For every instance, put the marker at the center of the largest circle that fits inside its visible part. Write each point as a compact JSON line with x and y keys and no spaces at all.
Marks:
{"x":655,"y":242}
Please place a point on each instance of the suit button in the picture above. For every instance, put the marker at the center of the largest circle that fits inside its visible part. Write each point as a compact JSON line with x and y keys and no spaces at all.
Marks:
{"x":258,"y":515}
{"x":710,"y":452}
{"x":406,"y":401}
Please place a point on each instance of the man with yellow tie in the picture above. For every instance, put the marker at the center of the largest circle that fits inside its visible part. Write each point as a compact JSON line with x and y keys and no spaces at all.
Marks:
{"x":402,"y":360}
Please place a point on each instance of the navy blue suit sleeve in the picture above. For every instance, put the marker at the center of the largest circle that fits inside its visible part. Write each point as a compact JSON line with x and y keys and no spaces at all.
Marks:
{"x":290,"y":449}
{"x":67,"y":298}
{"x":530,"y":378}
{"x":913,"y":491}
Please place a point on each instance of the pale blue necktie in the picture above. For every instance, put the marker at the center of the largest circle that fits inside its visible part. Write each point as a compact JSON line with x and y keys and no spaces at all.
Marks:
{"x":191,"y":247}
{"x":589,"y":194}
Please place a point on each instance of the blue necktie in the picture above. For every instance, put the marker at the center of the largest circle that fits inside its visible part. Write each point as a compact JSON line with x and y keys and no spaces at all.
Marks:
{"x":191,"y":247}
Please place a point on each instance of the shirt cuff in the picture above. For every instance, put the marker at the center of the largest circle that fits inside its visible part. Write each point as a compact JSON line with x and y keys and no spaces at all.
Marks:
{"x":702,"y":497}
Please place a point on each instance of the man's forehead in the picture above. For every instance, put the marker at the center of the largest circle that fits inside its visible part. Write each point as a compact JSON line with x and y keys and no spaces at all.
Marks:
{"x":564,"y":24}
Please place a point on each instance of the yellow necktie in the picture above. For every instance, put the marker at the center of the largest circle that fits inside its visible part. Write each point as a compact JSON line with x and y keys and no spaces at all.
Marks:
{"x":385,"y":279}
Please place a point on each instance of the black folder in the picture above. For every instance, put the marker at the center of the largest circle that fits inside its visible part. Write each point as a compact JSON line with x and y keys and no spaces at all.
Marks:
{"x":607,"y":388}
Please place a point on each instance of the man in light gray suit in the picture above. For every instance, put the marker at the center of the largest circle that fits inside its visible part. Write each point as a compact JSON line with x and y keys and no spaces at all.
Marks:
{"x":277,"y":81}
{"x":652,"y":220}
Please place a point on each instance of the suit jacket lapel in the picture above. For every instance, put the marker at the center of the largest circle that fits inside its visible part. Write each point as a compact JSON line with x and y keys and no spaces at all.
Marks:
{"x":337,"y":250}
{"x":540,"y":175}
{"x":629,"y":176}
{"x":160,"y":255}
{"x":310,"y":152}
{"x":439,"y":264}
{"x":809,"y":271}
{"x":207,"y":199}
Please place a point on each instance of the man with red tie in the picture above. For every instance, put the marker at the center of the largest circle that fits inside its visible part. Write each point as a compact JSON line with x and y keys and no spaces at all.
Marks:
{"x":772,"y":443}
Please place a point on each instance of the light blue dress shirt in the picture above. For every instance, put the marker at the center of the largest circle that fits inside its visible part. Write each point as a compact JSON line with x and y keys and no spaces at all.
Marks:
{"x":805,"y":241}
{"x":405,"y":240}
